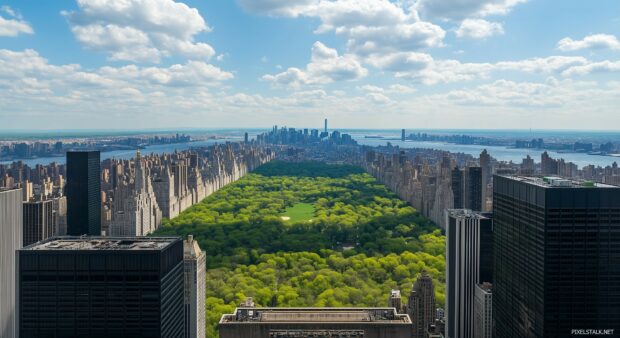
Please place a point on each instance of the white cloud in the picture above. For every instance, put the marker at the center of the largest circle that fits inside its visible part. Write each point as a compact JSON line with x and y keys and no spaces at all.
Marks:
{"x":326,"y":66}
{"x":13,"y":25}
{"x":140,"y":30}
{"x":479,"y":29}
{"x":370,"y":26}
{"x":595,"y":41}
{"x":461,"y":9}
{"x":594,"y":67}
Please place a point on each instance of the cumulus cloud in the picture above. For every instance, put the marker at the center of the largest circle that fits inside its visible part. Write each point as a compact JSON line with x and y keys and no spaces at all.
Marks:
{"x":140,"y":30}
{"x":479,"y":29}
{"x":595,"y":41}
{"x":325,"y":66}
{"x":594,"y":67}
{"x":370,"y":26}
{"x":461,"y":9}
{"x":12,"y":24}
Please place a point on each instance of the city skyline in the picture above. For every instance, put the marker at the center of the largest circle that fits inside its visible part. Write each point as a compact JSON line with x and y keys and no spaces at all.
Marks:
{"x":149,"y":64}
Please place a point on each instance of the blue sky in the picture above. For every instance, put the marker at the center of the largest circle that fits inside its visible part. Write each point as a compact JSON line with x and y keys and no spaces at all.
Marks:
{"x":475,"y":64}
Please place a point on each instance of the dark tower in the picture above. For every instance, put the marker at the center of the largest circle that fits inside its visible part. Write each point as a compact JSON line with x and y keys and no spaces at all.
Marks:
{"x":402,"y":135}
{"x":473,"y":188}
{"x":83,"y":192}
{"x":326,"y":125}
{"x":556,"y":256}
{"x":457,"y":188}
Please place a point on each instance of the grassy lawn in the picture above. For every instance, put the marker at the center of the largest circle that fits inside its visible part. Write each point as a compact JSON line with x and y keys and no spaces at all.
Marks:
{"x":300,"y":212}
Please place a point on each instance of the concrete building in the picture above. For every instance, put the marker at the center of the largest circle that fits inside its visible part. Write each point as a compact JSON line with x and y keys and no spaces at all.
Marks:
{"x":557,"y":258}
{"x":483,"y":311}
{"x":395,"y":301}
{"x":195,"y":267}
{"x":421,"y":306}
{"x":469,"y":261}
{"x":102,"y":287}
{"x":11,"y":215}
{"x":315,"y":322}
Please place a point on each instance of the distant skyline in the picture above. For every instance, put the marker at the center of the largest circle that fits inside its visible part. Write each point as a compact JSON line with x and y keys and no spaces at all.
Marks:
{"x":368,"y":64}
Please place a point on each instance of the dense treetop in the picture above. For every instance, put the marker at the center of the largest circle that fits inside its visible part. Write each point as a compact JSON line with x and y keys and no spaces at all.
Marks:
{"x":361,"y":242}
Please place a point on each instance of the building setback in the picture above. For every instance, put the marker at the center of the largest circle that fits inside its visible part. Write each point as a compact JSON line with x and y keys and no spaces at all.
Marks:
{"x":557,"y":257}
{"x":101,"y":287}
{"x":250,"y":322}
{"x":469,"y":261}
{"x":10,"y":240}
{"x":195,"y":266}
{"x":83,"y":191}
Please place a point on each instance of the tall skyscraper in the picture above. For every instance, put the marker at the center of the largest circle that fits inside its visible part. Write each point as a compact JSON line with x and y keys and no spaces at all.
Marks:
{"x":421,"y":306}
{"x":402,"y":135}
{"x":102,"y":287}
{"x":11,"y":215}
{"x":83,"y":191}
{"x":457,"y":188}
{"x":473,"y":188}
{"x":39,"y":221}
{"x":325,"y":126}
{"x":469,"y":261}
{"x":246,"y":137}
{"x":483,"y":311}
{"x":195,"y":288}
{"x":557,"y":256}
{"x":485,"y":165}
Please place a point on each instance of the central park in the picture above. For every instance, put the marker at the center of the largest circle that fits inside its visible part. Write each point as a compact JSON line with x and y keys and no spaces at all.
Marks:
{"x":309,"y":234}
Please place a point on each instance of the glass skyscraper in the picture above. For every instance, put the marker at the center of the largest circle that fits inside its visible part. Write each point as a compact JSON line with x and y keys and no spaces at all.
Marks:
{"x":83,"y":193}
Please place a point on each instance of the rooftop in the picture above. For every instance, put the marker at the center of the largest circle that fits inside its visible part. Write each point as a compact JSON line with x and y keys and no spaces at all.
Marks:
{"x":467,"y":213}
{"x":315,"y":315}
{"x":559,"y":182}
{"x":102,"y":243}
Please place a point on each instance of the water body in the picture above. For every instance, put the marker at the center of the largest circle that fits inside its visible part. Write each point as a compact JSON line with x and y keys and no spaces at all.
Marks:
{"x":498,"y":152}
{"x":127,"y":154}
{"x":393,"y":136}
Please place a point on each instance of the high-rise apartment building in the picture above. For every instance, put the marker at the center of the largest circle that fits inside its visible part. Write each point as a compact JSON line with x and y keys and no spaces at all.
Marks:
{"x":421,"y":305}
{"x":83,"y":191}
{"x":102,"y":287}
{"x":556,"y":257}
{"x":39,"y":221}
{"x":395,"y":300}
{"x":195,"y":266}
{"x":11,"y":215}
{"x":483,"y":311}
{"x":469,"y":261}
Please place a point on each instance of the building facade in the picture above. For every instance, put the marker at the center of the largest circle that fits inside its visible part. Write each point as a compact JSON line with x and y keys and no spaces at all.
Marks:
{"x":557,"y":256}
{"x":11,"y":238}
{"x":101,"y":287}
{"x":483,"y":311}
{"x":195,"y":267}
{"x":251,"y":322}
{"x":83,"y":191}
{"x":39,"y":221}
{"x":421,"y":305}
{"x":469,"y":261}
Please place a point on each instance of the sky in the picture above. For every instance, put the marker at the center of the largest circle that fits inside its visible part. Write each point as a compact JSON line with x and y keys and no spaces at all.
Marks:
{"x":466,"y":64}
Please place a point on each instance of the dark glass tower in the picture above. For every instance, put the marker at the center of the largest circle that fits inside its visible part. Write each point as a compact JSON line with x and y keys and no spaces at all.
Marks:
{"x":556,"y":257}
{"x":101,"y":287}
{"x":457,"y":188}
{"x":83,"y":192}
{"x":473,"y":188}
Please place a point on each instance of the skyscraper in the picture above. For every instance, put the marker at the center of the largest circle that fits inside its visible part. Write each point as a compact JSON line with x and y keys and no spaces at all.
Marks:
{"x":325,"y":126}
{"x":469,"y":261}
{"x":473,"y":188}
{"x":421,"y":306}
{"x":195,"y":287}
{"x":10,"y":240}
{"x":485,"y":165}
{"x":102,"y":287}
{"x":457,"y":188}
{"x":395,"y":300}
{"x":557,"y":256}
{"x":83,"y":191}
{"x":402,"y":135}
{"x":483,"y":311}
{"x":39,"y":221}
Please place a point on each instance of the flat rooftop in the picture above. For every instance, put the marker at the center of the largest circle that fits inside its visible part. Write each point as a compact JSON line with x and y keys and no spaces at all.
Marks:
{"x":102,"y":243}
{"x":559,"y":182}
{"x":315,"y":315}
{"x":467,"y":213}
